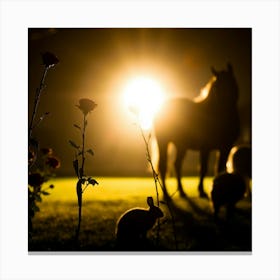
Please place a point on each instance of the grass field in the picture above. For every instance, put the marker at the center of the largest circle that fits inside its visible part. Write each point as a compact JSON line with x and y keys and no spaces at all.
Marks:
{"x":195,"y":227}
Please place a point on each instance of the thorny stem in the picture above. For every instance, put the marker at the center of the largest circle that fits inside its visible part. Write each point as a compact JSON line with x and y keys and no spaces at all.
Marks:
{"x":154,"y":176}
{"x":36,"y":103}
{"x":79,"y":184}
{"x":157,"y":181}
{"x":150,"y":162}
{"x":83,"y":147}
{"x":37,"y":99}
{"x":79,"y":194}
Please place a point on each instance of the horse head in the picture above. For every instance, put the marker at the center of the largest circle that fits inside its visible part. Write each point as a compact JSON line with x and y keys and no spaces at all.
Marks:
{"x":224,"y":89}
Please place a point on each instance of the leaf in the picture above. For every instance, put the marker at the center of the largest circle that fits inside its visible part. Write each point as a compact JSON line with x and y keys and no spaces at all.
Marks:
{"x":75,"y":125}
{"x":73,"y":144}
{"x":90,"y":151}
{"x":36,"y":208}
{"x":38,"y":198}
{"x":45,"y":193}
{"x":43,"y":116}
{"x":92,"y":181}
{"x":76,"y":167}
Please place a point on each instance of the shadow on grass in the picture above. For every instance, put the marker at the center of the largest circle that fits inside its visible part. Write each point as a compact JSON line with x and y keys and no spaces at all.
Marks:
{"x":196,"y":229}
{"x":199,"y":231}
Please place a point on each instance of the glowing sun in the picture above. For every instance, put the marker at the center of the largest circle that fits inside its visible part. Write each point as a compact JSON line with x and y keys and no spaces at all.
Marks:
{"x":143,"y":96}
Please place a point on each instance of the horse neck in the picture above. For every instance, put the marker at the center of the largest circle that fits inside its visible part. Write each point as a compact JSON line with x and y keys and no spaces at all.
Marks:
{"x":226,"y":109}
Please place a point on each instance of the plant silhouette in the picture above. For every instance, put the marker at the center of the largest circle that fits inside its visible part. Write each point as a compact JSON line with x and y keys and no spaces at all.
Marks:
{"x":211,"y":123}
{"x":85,"y":106}
{"x":41,"y":161}
{"x":157,"y":181}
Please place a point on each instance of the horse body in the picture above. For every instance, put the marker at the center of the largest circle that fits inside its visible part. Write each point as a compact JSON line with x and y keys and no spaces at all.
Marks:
{"x":211,"y":124}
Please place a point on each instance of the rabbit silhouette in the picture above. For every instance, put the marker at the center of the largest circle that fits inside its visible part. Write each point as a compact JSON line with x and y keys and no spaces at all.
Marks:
{"x":228,"y":189}
{"x":133,"y":225}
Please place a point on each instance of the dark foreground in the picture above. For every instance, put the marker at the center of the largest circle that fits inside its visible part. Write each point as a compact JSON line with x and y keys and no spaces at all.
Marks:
{"x":195,"y":228}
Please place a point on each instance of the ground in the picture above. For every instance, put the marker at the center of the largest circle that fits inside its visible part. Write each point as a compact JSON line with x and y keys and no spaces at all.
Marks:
{"x":195,"y":227}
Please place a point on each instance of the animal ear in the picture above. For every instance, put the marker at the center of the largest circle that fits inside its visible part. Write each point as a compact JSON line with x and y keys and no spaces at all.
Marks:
{"x":150,"y":201}
{"x":215,"y":73}
{"x":229,"y":68}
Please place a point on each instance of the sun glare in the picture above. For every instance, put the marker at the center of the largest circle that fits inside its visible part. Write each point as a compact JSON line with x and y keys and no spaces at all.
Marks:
{"x":143,"y":95}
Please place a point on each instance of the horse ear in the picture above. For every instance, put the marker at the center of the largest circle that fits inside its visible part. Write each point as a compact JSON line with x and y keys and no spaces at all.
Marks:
{"x":150,"y":201}
{"x":229,"y":68}
{"x":215,"y":73}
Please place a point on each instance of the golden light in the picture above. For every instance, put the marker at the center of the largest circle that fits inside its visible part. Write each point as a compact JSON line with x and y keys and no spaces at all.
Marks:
{"x":144,"y":95}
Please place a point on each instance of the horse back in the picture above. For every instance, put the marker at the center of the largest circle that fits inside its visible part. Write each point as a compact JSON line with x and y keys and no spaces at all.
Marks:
{"x":196,"y":125}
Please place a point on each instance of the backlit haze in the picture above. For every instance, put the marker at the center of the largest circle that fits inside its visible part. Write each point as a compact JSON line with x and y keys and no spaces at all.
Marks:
{"x":124,"y":69}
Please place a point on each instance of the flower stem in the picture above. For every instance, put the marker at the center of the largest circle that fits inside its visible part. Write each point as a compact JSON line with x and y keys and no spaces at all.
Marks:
{"x":37,"y":99}
{"x":83,"y":148}
{"x":79,"y":195}
{"x":157,"y":181}
{"x":150,"y":162}
{"x":154,"y":176}
{"x":80,"y":181}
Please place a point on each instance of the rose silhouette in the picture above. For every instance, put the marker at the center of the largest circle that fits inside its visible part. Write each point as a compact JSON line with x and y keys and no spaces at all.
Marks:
{"x":35,"y":179}
{"x":86,"y":105}
{"x":53,"y":162}
{"x":49,"y":59}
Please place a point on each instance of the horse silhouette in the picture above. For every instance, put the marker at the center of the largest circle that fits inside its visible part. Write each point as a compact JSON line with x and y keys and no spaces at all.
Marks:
{"x":211,"y":122}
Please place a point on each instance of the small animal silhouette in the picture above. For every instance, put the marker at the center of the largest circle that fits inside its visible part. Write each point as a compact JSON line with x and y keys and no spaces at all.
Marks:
{"x":133,"y":225}
{"x":240,"y":161}
{"x":228,"y":189}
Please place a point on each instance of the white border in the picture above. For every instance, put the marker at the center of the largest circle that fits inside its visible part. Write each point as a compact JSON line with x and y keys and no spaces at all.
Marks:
{"x":262,"y":16}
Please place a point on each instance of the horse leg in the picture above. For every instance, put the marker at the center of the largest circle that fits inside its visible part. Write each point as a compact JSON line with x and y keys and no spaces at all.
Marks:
{"x":204,"y":155}
{"x":178,"y":167}
{"x":163,"y":166}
